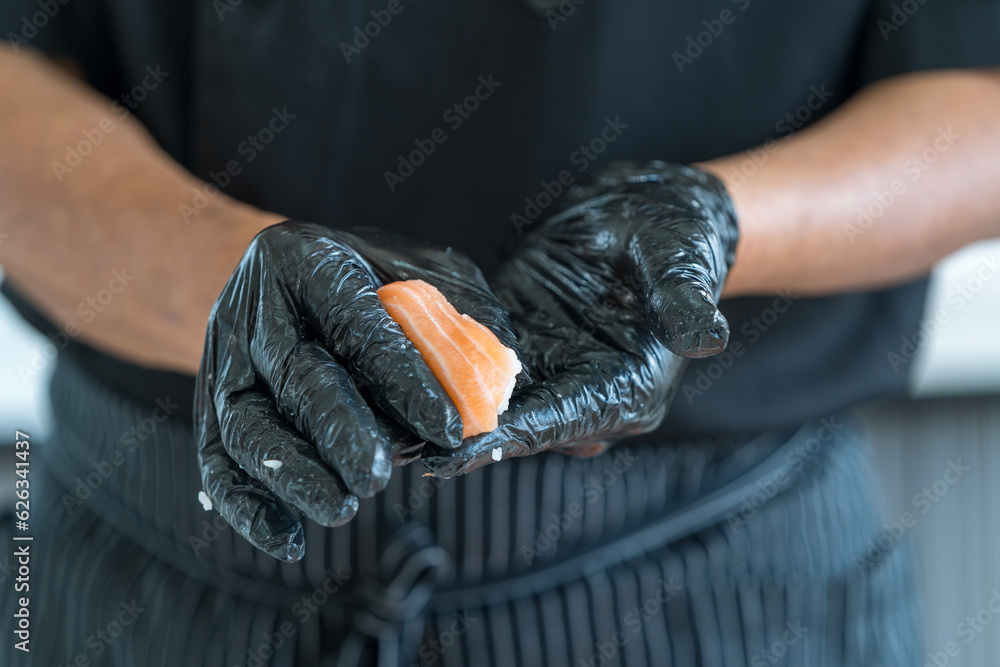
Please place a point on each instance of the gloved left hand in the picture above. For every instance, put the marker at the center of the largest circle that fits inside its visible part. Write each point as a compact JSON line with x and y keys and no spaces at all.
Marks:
{"x":306,"y":382}
{"x":608,"y":299}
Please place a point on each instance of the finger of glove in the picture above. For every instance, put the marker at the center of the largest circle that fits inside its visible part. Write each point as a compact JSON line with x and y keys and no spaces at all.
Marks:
{"x":585,"y":450}
{"x":250,"y":508}
{"x":404,"y":446}
{"x":254,"y":434}
{"x":337,"y":291}
{"x":550,"y":299}
{"x":684,"y":318}
{"x":594,"y":400}
{"x":680,"y":289}
{"x":617,"y":174}
{"x":317,"y":395}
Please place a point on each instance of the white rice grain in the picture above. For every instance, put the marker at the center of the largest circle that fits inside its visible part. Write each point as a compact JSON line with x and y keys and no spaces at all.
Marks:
{"x":205,"y":501}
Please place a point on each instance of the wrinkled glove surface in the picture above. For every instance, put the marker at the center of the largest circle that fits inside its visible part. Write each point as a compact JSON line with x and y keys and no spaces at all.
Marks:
{"x":306,"y":382}
{"x":608,"y":298}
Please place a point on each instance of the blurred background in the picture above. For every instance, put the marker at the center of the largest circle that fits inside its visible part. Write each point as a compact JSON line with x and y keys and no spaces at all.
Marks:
{"x":951,"y":421}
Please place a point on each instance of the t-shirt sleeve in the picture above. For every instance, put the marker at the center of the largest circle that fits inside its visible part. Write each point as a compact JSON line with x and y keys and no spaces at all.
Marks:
{"x":908,"y":35}
{"x":46,"y":25}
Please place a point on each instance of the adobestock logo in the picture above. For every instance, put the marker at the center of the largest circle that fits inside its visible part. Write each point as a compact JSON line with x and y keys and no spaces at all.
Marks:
{"x":796,"y":459}
{"x":94,"y":136}
{"x":923,"y":502}
{"x":363,"y":35}
{"x":967,"y":631}
{"x":913,"y":169}
{"x":932,"y":325}
{"x":87,"y":310}
{"x":561,"y":12}
{"x":248,"y":150}
{"x":899,"y":16}
{"x":713,"y":368}
{"x":129,"y":441}
{"x":776,"y":652}
{"x":30,"y":25}
{"x":698,"y":43}
{"x":785,"y":126}
{"x":454,"y":116}
{"x":582,"y":158}
{"x":605,"y":652}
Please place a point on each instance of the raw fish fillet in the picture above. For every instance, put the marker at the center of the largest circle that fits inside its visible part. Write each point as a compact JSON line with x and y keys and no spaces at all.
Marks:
{"x":473,"y":366}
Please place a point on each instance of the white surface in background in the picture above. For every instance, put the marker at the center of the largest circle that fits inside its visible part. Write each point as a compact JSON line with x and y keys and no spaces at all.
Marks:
{"x":23,"y":402}
{"x":962,"y":354}
{"x":957,"y":541}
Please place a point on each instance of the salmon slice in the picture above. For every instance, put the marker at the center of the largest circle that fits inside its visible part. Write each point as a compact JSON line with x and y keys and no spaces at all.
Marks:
{"x":473,"y":366}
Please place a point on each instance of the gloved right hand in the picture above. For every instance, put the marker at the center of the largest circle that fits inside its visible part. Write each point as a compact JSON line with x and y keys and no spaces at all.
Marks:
{"x":301,"y":366}
{"x":609,"y":298}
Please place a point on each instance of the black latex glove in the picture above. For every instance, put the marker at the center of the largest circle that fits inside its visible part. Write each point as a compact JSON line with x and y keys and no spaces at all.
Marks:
{"x":604,"y":296}
{"x":303,"y":365}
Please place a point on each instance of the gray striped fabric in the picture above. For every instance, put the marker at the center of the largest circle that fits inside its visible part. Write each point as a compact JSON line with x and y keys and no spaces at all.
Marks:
{"x":547,"y":560}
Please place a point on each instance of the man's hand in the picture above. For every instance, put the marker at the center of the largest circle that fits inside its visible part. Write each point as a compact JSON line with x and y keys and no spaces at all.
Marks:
{"x":301,"y":366}
{"x":604,"y":296}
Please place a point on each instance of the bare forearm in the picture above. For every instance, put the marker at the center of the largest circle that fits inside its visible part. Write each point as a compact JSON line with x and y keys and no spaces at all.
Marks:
{"x":904,"y":173}
{"x":68,"y":232}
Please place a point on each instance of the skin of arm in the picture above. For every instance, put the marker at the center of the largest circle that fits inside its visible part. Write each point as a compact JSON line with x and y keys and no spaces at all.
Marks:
{"x":117,"y":211}
{"x":62,"y":241}
{"x":904,"y":173}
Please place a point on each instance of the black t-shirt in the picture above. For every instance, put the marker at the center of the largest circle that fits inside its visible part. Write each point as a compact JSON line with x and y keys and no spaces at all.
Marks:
{"x":454,"y":121}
